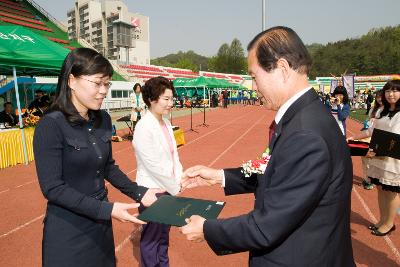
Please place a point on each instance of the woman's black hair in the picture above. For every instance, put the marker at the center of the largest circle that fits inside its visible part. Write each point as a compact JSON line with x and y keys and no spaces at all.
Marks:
{"x":81,"y":61}
{"x":341,"y":90}
{"x":390,"y":85}
{"x":136,"y":85}
{"x":376,"y":104}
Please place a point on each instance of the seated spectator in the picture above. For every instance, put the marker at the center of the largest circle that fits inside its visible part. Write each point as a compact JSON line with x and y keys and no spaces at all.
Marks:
{"x":7,"y":116}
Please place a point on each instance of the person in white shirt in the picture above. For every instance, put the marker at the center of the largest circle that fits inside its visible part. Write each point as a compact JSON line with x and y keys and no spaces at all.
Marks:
{"x":138,"y":105}
{"x":157,"y":163}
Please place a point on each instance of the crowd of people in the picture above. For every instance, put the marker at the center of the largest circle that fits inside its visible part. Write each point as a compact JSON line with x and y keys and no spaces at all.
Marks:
{"x":302,"y":199}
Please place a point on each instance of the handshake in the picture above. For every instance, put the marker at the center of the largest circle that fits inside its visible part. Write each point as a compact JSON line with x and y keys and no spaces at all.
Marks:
{"x":194,"y":177}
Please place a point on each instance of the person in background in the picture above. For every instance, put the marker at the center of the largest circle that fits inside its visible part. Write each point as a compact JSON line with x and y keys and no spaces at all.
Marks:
{"x":35,"y":103}
{"x":368,"y":101}
{"x":340,"y":108}
{"x":158,"y":164}
{"x":73,"y":157}
{"x":385,"y":171}
{"x":366,"y":134}
{"x":7,"y":116}
{"x":225,"y":96}
{"x":138,"y":105}
{"x":42,"y":106}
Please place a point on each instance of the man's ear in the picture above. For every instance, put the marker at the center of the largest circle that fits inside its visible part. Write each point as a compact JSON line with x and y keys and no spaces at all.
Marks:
{"x":284,"y":67}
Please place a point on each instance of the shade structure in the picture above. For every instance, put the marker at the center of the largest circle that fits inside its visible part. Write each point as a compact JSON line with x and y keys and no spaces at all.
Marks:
{"x":23,"y":52}
{"x":30,"y":53}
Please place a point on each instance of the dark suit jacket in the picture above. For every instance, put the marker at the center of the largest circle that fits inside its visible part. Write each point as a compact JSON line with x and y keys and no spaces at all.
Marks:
{"x":11,"y":119}
{"x":73,"y":162}
{"x":302,"y":208}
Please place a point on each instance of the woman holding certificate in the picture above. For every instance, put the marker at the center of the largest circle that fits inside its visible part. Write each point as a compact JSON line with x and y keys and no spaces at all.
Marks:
{"x":73,"y":153}
{"x":158,"y":163}
{"x":386,"y":170}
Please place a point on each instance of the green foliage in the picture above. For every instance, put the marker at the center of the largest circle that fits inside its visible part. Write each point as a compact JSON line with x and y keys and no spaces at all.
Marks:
{"x":185,"y":60}
{"x":377,"y":52}
{"x":229,"y":59}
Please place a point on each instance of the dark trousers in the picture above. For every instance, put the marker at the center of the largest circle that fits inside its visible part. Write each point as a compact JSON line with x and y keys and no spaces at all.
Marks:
{"x":154,"y":244}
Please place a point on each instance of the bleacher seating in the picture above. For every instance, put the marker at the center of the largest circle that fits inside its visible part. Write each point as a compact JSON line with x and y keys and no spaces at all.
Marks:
{"x":69,"y":47}
{"x":13,"y":21}
{"x":13,"y":6}
{"x":12,"y":3}
{"x":216,"y":75}
{"x":24,"y":14}
{"x":147,"y":72}
{"x":185,"y":72}
{"x":4,"y":14}
{"x":58,"y":40}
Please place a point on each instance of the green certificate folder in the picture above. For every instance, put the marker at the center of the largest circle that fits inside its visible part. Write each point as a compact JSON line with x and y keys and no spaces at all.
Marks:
{"x":174,"y":210}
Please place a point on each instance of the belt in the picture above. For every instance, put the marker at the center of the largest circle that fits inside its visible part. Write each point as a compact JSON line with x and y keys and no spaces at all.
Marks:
{"x":100,"y":195}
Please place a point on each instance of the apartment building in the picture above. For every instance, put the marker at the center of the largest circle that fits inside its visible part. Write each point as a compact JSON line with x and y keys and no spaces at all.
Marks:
{"x":122,"y":36}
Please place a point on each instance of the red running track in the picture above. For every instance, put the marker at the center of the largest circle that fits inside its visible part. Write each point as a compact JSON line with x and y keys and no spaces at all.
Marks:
{"x":235,"y":134}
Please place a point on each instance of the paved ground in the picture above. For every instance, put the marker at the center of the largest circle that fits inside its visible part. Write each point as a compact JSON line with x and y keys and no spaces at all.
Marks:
{"x":234,"y":135}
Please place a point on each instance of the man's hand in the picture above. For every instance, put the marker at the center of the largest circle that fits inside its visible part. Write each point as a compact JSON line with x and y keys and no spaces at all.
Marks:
{"x":120,"y":212}
{"x":194,"y":228}
{"x":150,"y":196}
{"x":200,"y":176}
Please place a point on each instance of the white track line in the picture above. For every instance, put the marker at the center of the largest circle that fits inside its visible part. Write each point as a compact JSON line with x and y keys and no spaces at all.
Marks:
{"x":22,"y":226}
{"x":374,"y":220}
{"x":8,"y":189}
{"x":24,"y":184}
{"x":237,"y":140}
{"x":200,"y":137}
{"x":125,"y":241}
{"x":128,"y":238}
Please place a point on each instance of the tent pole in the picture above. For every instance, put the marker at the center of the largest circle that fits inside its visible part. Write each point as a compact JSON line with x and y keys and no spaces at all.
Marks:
{"x":20,"y":116}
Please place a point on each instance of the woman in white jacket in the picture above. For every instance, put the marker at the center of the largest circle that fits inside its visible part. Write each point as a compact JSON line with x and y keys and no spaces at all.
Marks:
{"x":158,"y":164}
{"x":138,"y":105}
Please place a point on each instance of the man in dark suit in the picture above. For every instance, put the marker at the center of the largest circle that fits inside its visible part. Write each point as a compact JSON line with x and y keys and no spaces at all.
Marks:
{"x":8,"y":116}
{"x":301,"y":215}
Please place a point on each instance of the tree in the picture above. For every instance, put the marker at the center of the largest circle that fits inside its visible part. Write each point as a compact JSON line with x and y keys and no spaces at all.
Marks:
{"x":229,"y":59}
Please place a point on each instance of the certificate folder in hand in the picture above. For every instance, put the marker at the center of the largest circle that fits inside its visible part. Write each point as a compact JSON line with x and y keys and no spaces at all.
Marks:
{"x":385,"y":144}
{"x":174,"y":210}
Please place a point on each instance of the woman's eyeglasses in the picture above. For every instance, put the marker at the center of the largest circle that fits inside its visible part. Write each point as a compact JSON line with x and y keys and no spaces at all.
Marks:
{"x":98,"y":84}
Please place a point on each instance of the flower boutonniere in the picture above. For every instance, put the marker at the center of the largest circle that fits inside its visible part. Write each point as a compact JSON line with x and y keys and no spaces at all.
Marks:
{"x":256,"y":166}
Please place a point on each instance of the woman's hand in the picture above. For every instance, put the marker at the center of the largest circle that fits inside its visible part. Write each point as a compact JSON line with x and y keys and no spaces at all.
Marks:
{"x":370,"y":154}
{"x":120,"y":212}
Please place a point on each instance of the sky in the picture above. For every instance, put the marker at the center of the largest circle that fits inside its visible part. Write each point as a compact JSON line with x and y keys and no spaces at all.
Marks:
{"x":203,"y":26}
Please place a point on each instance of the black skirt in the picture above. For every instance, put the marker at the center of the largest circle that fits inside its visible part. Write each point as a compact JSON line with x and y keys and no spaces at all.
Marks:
{"x":70,"y":239}
{"x":385,"y":187}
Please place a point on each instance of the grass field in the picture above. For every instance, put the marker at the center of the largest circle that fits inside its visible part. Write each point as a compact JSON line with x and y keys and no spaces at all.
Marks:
{"x":358,"y":115}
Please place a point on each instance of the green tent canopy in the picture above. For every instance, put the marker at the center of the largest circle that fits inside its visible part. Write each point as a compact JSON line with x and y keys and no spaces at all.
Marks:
{"x":23,"y":52}
{"x":30,"y":53}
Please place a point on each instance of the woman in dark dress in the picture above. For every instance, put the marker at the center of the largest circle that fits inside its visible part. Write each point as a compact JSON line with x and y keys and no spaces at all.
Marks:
{"x":73,"y":159}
